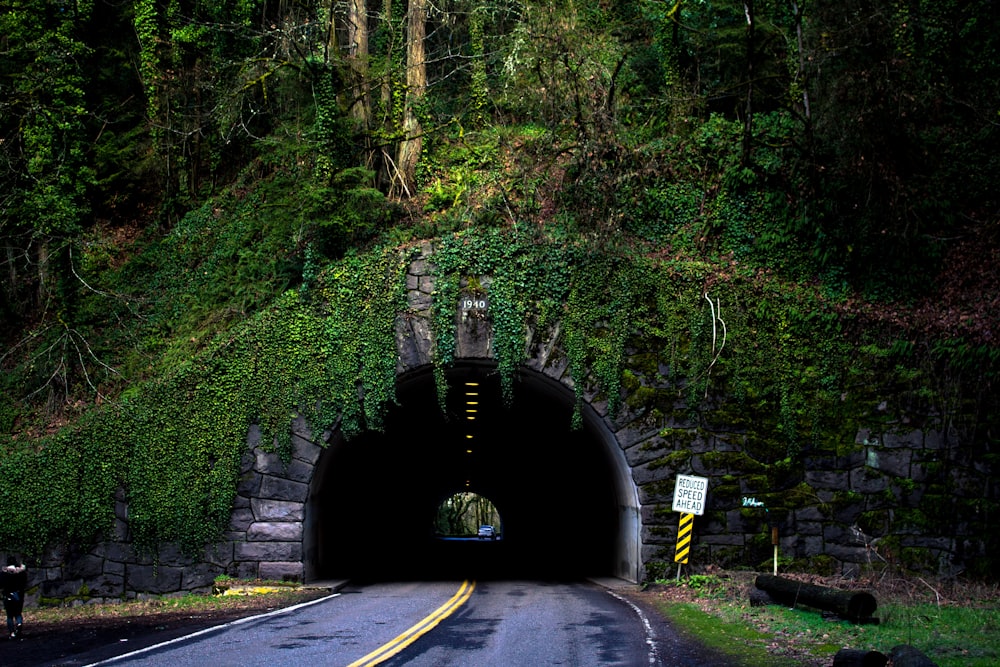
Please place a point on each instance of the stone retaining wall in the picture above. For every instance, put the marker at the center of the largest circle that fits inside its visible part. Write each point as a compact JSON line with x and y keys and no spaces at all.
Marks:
{"x":841,"y":511}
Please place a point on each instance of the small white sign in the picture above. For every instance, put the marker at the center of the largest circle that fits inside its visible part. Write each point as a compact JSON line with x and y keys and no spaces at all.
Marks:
{"x":690,"y":494}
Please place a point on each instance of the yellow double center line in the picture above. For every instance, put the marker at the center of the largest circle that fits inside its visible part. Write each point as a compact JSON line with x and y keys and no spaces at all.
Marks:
{"x":390,"y":649}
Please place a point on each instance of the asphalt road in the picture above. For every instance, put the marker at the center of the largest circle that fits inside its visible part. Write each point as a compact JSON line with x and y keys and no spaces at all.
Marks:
{"x":440,"y":623}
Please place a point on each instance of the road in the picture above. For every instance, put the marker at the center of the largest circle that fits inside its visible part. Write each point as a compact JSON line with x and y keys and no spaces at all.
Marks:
{"x":491,"y":623}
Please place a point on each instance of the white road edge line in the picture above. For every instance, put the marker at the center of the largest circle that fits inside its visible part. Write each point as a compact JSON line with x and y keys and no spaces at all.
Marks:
{"x":650,"y":635}
{"x":214,"y":628}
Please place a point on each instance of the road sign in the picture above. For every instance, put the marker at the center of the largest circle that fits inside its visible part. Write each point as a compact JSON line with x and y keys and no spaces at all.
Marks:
{"x":684,"y":539}
{"x":690,"y":494}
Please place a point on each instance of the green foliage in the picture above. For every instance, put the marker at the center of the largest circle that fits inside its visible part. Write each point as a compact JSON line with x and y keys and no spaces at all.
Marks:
{"x":174,"y":444}
{"x":689,"y":201}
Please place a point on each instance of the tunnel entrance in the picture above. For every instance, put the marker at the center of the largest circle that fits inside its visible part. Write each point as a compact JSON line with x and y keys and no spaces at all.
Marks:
{"x":569,"y":507}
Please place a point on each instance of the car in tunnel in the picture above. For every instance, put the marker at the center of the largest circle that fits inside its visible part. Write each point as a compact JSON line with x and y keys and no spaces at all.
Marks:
{"x":487,"y":532}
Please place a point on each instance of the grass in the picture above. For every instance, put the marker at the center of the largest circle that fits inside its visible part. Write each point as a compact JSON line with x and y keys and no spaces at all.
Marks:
{"x":253,"y":595}
{"x":953,"y":623}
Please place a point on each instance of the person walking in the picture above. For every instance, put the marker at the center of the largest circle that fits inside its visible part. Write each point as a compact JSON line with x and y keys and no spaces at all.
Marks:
{"x":13,"y":580}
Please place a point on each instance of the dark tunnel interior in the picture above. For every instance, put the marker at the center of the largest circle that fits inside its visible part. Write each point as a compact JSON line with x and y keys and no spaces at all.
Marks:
{"x":375,"y":496}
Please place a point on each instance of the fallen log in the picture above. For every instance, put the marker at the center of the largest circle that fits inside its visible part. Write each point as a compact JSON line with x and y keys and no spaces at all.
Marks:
{"x":905,"y":655}
{"x":856,"y":606}
{"x":856,"y":657}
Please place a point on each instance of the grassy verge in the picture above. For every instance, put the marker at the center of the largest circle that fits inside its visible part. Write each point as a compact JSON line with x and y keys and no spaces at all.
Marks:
{"x":233,"y":597}
{"x":954,"y":623}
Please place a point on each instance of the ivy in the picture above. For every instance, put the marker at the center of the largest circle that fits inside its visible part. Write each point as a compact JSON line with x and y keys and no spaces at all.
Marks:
{"x":326,"y":351}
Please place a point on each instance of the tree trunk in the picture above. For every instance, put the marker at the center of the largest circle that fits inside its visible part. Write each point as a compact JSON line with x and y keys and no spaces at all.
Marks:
{"x":747,"y":153}
{"x":853,"y":605}
{"x":357,"y":54}
{"x":416,"y":84}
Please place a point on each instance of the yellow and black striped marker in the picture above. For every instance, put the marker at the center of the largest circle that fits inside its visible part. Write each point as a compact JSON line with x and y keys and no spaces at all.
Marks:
{"x":684,"y":538}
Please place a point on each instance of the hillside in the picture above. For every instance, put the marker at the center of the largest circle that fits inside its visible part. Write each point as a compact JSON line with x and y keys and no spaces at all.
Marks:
{"x":176,"y":176}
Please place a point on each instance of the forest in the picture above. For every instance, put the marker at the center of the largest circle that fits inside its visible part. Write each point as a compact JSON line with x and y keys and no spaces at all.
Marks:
{"x":178,"y":176}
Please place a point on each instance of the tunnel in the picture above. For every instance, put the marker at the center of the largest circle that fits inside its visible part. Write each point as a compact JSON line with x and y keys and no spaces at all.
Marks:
{"x":566,"y":503}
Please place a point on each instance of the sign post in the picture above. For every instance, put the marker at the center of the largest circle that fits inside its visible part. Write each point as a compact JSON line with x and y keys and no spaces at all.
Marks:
{"x":753,"y":502}
{"x":690,"y":494}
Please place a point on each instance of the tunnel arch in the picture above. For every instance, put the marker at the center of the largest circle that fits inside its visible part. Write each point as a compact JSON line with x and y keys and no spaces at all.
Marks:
{"x":569,"y":504}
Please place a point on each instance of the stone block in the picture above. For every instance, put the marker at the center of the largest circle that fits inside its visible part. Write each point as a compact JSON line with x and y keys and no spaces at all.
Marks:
{"x":119,"y":530}
{"x":268,"y":551}
{"x":420,"y":266}
{"x":254,"y":436}
{"x":419,"y":301}
{"x":304,"y":449}
{"x":106,"y":586}
{"x":276,"y":510}
{"x":278,"y":488}
{"x":556,"y":369}
{"x":909,"y":440}
{"x":114,"y":568}
{"x":299,"y":471}
{"x":268,"y":462}
{"x":634,"y":435}
{"x":59,"y":589}
{"x":808,"y":514}
{"x":221,"y":553}
{"x":153,"y":578}
{"x":643,"y":474}
{"x":248,"y":485}
{"x":846,"y":553}
{"x":200,"y":576}
{"x":722,"y":540}
{"x":643,"y":452}
{"x":808,"y":528}
{"x":240,"y":519}
{"x":827,"y":479}
{"x":413,"y":343}
{"x":655,"y":492}
{"x":172,"y":554}
{"x":473,"y":337}
{"x":84,"y":567}
{"x":895,"y":462}
{"x":809,"y":545}
{"x":247,"y":570}
{"x":738,"y":522}
{"x":867,"y":481}
{"x":281,"y":571}
{"x":281,"y":531}
{"x":935,"y":440}
{"x":120,"y":552}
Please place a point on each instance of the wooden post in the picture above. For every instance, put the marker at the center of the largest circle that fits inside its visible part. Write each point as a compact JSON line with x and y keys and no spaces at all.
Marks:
{"x":774,"y":541}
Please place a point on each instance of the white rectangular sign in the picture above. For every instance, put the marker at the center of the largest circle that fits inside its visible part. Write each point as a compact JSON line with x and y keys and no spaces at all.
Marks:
{"x":690,"y":494}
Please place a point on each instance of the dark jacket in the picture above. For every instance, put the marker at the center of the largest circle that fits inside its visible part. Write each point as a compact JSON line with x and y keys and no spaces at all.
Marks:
{"x":14,"y":579}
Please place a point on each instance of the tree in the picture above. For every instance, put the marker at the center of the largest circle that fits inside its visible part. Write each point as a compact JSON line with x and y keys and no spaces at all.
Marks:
{"x":416,"y":88}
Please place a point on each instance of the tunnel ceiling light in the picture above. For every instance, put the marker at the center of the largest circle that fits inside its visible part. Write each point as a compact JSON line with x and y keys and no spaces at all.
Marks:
{"x":469,"y":436}
{"x":468,"y":451}
{"x":472,"y":402}
{"x":471,"y":384}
